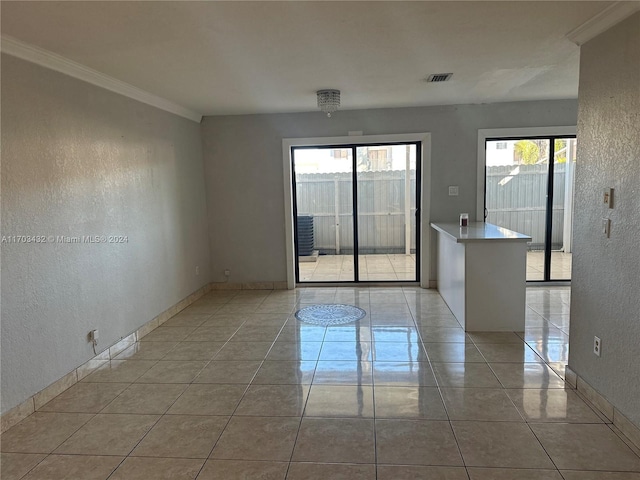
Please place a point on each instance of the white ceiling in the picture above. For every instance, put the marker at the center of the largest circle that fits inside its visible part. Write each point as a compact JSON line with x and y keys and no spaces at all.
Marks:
{"x":240,"y":57}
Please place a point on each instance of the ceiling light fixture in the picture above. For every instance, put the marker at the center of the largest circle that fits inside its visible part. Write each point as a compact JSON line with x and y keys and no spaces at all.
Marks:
{"x":328,"y":101}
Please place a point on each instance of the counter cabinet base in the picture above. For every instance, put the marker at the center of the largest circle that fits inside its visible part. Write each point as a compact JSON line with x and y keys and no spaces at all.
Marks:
{"x":484,"y":283}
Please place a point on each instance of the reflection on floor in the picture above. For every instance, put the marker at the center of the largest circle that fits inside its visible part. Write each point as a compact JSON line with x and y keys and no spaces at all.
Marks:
{"x":234,"y":387}
{"x":379,"y":267}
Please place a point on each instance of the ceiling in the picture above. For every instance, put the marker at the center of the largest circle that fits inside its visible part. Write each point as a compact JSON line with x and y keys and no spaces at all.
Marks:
{"x":240,"y":57}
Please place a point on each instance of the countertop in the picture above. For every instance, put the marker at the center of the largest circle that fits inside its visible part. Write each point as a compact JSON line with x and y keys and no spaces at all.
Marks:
{"x":479,"y":232}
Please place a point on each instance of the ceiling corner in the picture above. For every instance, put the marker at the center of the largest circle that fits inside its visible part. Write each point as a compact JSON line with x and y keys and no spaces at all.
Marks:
{"x":44,"y":58}
{"x":606,"y":19}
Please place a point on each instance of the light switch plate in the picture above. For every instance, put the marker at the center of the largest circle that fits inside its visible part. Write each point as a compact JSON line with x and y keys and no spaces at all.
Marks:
{"x":606,"y":227}
{"x":607,"y":197}
{"x":453,"y":190}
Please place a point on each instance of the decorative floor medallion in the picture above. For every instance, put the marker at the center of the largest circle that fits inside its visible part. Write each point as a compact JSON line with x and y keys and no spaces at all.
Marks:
{"x":327,"y":315}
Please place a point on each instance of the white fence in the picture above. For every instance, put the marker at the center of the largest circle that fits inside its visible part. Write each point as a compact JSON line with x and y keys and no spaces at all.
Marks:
{"x":382,"y":216}
{"x":516,"y":199}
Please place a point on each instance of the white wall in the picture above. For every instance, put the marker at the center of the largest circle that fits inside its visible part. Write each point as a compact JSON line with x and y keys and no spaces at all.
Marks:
{"x":79,"y":160}
{"x":243,"y":169}
{"x":606,"y":271}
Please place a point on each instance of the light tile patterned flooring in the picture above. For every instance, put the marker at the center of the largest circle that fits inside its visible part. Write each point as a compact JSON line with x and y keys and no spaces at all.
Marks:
{"x":235,"y":388}
{"x":392,"y":267}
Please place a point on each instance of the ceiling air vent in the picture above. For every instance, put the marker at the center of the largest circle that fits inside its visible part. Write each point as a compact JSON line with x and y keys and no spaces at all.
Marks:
{"x":439,"y":77}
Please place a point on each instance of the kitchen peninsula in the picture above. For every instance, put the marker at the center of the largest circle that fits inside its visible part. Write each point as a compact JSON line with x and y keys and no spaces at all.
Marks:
{"x":482,"y":275}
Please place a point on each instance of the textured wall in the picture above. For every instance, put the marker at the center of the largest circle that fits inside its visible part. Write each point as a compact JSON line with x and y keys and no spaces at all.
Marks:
{"x":606,"y":271}
{"x":243,"y":165}
{"x":79,"y":160}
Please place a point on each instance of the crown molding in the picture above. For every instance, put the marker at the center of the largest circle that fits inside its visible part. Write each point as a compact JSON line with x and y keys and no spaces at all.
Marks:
{"x":613,"y":14}
{"x":44,"y":58}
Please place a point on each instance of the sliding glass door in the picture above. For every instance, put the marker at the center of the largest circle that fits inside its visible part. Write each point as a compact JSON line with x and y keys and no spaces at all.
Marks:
{"x":529,"y":185}
{"x":323,"y":205}
{"x":356,"y":216}
{"x":564,"y":166}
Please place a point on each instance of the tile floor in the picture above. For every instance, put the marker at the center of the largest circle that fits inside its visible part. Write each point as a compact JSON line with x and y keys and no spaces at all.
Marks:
{"x":389,"y":267}
{"x":235,"y":388}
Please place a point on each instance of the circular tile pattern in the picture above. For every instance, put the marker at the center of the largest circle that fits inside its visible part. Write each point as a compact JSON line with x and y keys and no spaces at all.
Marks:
{"x":327,"y":315}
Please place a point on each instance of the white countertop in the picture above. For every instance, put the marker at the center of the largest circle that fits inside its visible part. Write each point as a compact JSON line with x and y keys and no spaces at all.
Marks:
{"x":479,"y":232}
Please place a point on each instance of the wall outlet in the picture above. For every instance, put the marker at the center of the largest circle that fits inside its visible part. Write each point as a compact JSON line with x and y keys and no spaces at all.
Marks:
{"x":93,"y":336}
{"x":453,"y":190}
{"x":597,"y":346}
{"x":197,"y":270}
{"x":227,"y":273}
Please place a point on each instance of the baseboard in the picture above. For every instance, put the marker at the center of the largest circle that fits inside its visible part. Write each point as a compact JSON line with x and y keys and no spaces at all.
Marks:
{"x":33,"y":403}
{"x":627,"y":427}
{"x":606,"y":408}
{"x":16,"y":414}
{"x":249,"y":286}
